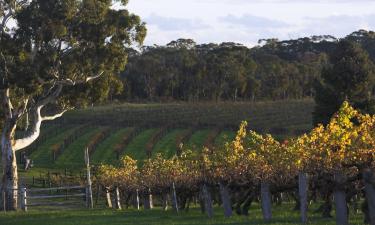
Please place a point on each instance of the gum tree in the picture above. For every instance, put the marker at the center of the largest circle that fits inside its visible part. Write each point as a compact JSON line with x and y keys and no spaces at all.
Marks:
{"x":60,"y":53}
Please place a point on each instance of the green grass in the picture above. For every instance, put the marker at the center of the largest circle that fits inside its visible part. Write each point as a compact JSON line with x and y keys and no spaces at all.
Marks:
{"x":282,"y":215}
{"x":167,"y":145}
{"x":136,"y":148}
{"x":43,"y":156}
{"x":105,"y":151}
{"x":73,"y":156}
{"x":197,"y":140}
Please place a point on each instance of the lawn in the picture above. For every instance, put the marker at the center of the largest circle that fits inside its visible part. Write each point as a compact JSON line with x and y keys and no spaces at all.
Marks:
{"x":282,"y":216}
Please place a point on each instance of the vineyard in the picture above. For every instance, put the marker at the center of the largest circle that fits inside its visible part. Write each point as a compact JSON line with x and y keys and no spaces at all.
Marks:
{"x":143,"y":131}
{"x":333,"y":161}
{"x":216,"y":168}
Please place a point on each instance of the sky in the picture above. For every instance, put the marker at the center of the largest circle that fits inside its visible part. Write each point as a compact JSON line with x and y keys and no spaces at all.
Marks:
{"x":247,"y":21}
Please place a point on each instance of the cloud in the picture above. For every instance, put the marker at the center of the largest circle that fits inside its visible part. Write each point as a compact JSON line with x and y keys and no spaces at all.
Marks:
{"x":175,"y":24}
{"x":284,"y":1}
{"x":251,"y":21}
{"x":338,"y":25}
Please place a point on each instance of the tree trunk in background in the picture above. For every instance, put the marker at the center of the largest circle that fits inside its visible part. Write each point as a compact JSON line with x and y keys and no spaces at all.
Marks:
{"x":340,"y":200}
{"x":266,"y":201}
{"x":225,"y":198}
{"x":303,"y":188}
{"x":207,"y":201}
{"x":10,"y":175}
{"x":369,"y":180}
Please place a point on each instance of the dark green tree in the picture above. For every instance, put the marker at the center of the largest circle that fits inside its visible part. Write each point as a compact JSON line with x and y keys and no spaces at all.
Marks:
{"x":63,"y":53}
{"x":349,"y":77}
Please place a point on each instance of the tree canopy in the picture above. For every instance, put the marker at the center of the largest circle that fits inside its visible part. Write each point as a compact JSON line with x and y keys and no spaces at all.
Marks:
{"x":61,"y":53}
{"x":350,"y":76}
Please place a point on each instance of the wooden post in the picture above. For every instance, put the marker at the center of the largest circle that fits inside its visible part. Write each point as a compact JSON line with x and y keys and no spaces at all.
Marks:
{"x":175,"y":202}
{"x":108,"y":197}
{"x":4,"y":202}
{"x":302,"y":189}
{"x":207,"y":201}
{"x":266,"y":201}
{"x":117,"y":198}
{"x":150,"y":199}
{"x":340,"y":199}
{"x":164,"y":199}
{"x":89,"y":200}
{"x":225,"y":198}
{"x":369,"y":180}
{"x":137,"y":199}
{"x":23,"y":199}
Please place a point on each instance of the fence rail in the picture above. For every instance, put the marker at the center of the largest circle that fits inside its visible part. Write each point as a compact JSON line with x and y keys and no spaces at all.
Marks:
{"x":24,"y":193}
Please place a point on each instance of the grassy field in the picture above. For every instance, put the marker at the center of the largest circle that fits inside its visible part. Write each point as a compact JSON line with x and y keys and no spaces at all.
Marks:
{"x":282,"y":215}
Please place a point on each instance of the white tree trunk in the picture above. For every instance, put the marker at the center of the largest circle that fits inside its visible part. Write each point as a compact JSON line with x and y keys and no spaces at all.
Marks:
{"x":10,"y":175}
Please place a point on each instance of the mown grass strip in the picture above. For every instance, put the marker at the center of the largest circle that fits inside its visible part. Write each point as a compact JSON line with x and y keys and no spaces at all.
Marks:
{"x":42,"y":157}
{"x":137,"y":147}
{"x":73,"y":156}
{"x":105,"y":152}
{"x":167,"y":145}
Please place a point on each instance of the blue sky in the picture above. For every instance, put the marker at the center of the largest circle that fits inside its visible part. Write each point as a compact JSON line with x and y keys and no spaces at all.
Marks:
{"x":247,"y":21}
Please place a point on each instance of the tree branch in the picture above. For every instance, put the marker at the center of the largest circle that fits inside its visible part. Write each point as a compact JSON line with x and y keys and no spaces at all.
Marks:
{"x":35,"y":132}
{"x":38,"y":119}
{"x":5,"y":20}
{"x":7,"y":103}
{"x":53,"y":117}
{"x":71,"y":82}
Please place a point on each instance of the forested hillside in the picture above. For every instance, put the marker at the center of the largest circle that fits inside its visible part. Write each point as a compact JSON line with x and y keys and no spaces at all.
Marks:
{"x":273,"y":70}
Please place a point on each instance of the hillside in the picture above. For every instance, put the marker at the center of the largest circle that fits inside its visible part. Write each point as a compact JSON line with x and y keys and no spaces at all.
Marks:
{"x":144,"y":130}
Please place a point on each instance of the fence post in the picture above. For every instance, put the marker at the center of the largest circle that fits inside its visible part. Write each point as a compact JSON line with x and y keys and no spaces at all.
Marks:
{"x":302,"y":190}
{"x":137,"y":199}
{"x":108,"y":197}
{"x":117,"y":198}
{"x":4,"y":202}
{"x":207,"y":201}
{"x":175,"y":203}
{"x":266,"y":201}
{"x":89,"y":200}
{"x":23,"y":199}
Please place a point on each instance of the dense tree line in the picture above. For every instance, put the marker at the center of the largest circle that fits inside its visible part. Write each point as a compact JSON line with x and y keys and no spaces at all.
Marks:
{"x":273,"y":70}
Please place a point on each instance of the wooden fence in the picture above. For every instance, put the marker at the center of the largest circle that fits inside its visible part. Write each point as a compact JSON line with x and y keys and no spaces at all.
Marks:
{"x":43,"y":196}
